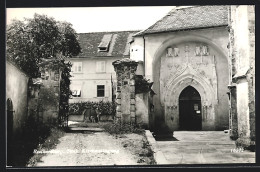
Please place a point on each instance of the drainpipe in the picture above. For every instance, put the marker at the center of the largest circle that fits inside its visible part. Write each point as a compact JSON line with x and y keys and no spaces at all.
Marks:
{"x":144,"y":55}
{"x":230,"y":46}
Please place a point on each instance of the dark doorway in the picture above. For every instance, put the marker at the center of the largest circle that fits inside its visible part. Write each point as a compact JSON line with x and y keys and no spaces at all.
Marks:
{"x":10,"y":111}
{"x":190,"y":109}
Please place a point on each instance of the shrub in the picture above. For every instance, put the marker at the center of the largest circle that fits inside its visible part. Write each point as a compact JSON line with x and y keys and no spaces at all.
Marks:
{"x":119,"y":128}
{"x":105,"y":108}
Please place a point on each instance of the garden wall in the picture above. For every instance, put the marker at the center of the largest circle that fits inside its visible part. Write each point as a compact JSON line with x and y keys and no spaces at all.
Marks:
{"x":16,"y":90}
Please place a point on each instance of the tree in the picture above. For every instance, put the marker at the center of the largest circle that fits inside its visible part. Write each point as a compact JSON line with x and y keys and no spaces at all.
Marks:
{"x":42,"y":37}
{"x":31,"y":40}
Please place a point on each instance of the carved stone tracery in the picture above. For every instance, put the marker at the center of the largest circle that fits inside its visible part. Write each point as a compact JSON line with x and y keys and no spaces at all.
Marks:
{"x":183,"y":71}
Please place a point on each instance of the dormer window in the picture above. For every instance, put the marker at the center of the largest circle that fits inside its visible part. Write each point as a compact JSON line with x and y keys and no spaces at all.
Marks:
{"x":102,"y":48}
{"x":105,"y":42}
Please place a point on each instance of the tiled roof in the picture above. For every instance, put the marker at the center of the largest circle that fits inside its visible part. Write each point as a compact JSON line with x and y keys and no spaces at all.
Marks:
{"x":118,"y":43}
{"x":190,"y":18}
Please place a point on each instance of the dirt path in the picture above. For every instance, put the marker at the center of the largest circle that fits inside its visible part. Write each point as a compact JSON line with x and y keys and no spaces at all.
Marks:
{"x":84,"y":149}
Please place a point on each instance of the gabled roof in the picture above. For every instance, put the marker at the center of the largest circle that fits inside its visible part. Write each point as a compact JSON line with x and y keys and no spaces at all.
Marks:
{"x":195,"y":17}
{"x":118,"y":44}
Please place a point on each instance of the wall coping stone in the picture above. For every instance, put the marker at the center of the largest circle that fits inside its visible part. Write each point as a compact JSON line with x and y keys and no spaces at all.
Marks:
{"x":158,"y":155}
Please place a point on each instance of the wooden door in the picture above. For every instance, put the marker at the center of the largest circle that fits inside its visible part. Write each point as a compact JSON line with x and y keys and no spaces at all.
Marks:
{"x":190,"y":109}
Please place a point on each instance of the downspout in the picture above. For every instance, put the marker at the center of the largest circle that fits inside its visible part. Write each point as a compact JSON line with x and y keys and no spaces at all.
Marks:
{"x":144,"y":55}
{"x":230,"y":46}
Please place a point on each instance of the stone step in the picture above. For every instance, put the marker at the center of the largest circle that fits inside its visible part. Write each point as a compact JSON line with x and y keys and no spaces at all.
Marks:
{"x":86,"y":129}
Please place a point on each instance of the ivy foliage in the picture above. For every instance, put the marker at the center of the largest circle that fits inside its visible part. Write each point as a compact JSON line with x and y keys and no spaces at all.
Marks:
{"x":65,"y":82}
{"x":31,"y":40}
{"x":65,"y":91}
{"x":64,"y":68}
{"x":142,"y":85}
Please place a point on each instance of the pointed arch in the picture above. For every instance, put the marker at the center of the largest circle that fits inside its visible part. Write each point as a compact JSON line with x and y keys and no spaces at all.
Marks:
{"x":171,"y":101}
{"x":190,"y":109}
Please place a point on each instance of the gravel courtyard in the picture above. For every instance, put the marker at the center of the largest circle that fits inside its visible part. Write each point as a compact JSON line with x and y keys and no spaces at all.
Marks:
{"x":93,"y":148}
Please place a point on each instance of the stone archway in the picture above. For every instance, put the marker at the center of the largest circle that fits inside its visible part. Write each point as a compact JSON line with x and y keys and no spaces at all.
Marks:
{"x":171,"y":101}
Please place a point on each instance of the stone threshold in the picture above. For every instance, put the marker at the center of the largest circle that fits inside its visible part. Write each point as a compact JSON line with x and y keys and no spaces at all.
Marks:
{"x":85,"y":129}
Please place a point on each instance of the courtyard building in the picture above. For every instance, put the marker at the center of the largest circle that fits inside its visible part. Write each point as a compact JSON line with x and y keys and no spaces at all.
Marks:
{"x":185,"y":54}
{"x":202,"y":62}
{"x":93,"y":76}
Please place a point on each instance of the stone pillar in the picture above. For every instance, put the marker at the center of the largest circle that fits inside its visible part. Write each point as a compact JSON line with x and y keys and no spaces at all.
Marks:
{"x":242,"y":24}
{"x":49,"y":94}
{"x":125,"y":91}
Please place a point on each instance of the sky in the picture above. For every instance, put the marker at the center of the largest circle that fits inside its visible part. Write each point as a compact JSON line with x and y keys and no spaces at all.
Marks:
{"x":97,"y":19}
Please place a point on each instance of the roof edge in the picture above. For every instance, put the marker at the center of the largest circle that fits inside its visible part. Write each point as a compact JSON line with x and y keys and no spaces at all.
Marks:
{"x":142,"y":31}
{"x":110,"y":31}
{"x":89,"y":57}
{"x":179,"y":30}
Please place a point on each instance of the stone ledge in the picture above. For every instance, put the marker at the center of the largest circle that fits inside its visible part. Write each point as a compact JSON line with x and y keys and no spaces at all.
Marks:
{"x":158,"y":155}
{"x":241,"y":73}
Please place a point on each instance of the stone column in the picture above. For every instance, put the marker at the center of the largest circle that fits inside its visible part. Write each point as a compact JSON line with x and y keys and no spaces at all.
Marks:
{"x":242,"y":23}
{"x":125,"y":91}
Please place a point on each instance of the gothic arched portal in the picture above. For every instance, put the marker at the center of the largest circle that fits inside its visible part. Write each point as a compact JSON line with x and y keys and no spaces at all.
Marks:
{"x":197,"y":62}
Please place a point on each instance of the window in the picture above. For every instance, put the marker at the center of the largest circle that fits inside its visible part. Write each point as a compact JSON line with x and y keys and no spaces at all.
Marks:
{"x":77,"y":67}
{"x":100,"y":90}
{"x":100,"y":67}
{"x":76,"y":93}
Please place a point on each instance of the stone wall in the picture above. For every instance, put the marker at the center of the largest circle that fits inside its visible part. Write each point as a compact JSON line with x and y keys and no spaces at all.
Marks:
{"x":142,"y":109}
{"x":49,"y":93}
{"x":242,"y":53}
{"x":17,"y":91}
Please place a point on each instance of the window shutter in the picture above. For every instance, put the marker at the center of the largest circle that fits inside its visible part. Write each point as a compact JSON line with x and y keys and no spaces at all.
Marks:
{"x":107,"y":87}
{"x":97,"y":67}
{"x":100,"y":66}
{"x":75,"y":67}
{"x":103,"y":67}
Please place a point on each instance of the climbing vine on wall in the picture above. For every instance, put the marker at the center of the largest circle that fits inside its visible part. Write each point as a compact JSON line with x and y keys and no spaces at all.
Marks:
{"x":142,"y":85}
{"x":65,"y":91}
{"x":63,"y":69}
